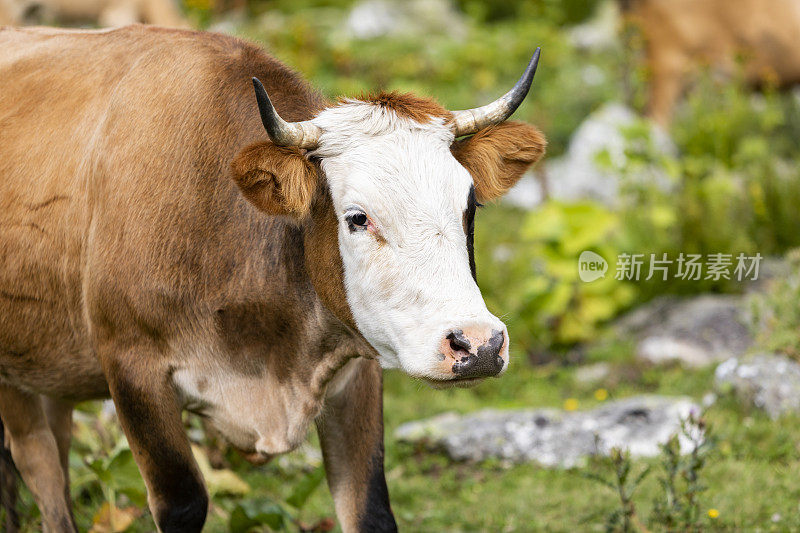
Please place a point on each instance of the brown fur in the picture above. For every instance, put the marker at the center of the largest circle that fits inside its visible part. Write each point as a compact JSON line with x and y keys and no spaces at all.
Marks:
{"x":684,"y":35}
{"x":136,"y":248}
{"x":278,"y":180}
{"x":351,"y":465}
{"x":408,"y":105}
{"x":497,"y":156}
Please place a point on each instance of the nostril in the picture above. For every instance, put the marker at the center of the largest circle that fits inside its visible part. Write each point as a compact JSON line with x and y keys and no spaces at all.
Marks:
{"x":458,"y":341}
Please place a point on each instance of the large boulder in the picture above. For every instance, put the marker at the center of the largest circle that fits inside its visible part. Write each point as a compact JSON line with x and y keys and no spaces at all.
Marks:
{"x":695,"y":332}
{"x":768,"y":381}
{"x":578,"y":174}
{"x":551,"y":437}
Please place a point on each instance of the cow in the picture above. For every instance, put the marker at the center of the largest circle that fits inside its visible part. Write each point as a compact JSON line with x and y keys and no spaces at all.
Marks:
{"x":106,"y":13}
{"x":682,"y":35}
{"x":170,"y":241}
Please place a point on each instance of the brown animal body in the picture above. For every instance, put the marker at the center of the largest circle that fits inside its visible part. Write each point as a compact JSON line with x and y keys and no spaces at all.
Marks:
{"x":131,"y":265}
{"x":106,"y":13}
{"x":683,"y":35}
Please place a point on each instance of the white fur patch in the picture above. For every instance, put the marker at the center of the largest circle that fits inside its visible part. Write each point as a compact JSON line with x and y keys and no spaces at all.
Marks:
{"x":409,"y":291}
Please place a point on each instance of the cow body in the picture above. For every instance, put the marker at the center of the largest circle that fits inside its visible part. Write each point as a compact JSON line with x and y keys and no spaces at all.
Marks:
{"x":682,"y":35}
{"x":210,"y":278}
{"x":111,"y":240}
{"x":133,"y":265}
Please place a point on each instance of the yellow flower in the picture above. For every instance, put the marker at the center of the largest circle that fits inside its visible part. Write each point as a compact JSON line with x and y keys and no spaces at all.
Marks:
{"x":713,"y":513}
{"x":570,"y":404}
{"x":601,"y":395}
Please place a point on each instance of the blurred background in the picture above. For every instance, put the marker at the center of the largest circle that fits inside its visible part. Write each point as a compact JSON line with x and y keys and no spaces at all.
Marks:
{"x":668,"y":403}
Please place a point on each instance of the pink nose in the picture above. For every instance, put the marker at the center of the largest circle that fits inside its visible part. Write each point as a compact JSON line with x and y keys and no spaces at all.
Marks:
{"x":473,"y":353}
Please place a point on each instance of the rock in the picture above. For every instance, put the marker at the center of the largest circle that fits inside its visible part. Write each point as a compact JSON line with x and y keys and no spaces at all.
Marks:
{"x":594,"y":373}
{"x":527,"y":193}
{"x":378,"y":18}
{"x":600,"y":32}
{"x":768,"y":381}
{"x":551,"y":437}
{"x":770,"y":270}
{"x":578,"y":175}
{"x":696,"y":332}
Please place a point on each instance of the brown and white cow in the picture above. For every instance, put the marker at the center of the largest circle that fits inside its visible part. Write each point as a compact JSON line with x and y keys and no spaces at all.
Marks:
{"x":683,"y":35}
{"x":131,"y":264}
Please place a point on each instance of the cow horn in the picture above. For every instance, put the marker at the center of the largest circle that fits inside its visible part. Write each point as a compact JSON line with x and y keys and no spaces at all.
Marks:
{"x":470,"y":121}
{"x":300,"y":134}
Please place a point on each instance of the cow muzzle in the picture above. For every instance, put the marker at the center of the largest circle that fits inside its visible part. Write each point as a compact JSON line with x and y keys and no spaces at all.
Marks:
{"x":471,"y":354}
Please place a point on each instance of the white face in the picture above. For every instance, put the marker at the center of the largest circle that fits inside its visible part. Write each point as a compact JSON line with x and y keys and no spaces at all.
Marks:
{"x":401,"y":197}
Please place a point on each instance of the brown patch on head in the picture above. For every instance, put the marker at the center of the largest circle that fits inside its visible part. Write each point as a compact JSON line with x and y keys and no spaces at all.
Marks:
{"x":278,"y":180}
{"x":323,"y":260}
{"x":497,"y":156}
{"x":409,"y":105}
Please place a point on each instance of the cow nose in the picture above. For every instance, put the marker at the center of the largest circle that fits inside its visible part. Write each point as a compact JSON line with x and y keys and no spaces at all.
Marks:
{"x":475,"y":356}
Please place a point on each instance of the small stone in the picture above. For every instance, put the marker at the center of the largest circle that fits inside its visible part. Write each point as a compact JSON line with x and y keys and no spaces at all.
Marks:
{"x":594,"y":373}
{"x":708,"y":400}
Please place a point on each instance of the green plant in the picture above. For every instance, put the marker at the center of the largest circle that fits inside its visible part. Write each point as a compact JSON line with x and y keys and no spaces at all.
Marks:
{"x":528,"y":268}
{"x":103,"y":470}
{"x":677,"y":508}
{"x":624,"y":517}
{"x":731,"y":188}
{"x":776,"y":313}
{"x":265,"y":511}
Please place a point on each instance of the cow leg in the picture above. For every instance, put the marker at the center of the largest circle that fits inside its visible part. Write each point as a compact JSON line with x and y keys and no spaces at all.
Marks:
{"x":351,"y":433}
{"x":59,"y":418}
{"x":35,"y":452}
{"x":666,"y":84}
{"x":150,"y":414}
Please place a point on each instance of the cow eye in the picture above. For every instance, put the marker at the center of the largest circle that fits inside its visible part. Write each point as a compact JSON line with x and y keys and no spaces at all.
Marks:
{"x":357,"y":220}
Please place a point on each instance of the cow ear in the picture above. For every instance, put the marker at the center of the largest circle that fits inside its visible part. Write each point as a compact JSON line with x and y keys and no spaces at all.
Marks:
{"x":497,"y":156}
{"x":278,"y":180}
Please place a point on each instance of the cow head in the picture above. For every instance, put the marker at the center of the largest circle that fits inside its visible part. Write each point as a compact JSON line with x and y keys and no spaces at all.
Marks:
{"x":402,"y":178}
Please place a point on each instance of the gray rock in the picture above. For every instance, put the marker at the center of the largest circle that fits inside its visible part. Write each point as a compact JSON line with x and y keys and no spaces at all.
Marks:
{"x":770,"y":270}
{"x":378,"y":18}
{"x":695,"y":332}
{"x":552,"y":437}
{"x":600,"y":32}
{"x":768,"y":381}
{"x":577,"y":175}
